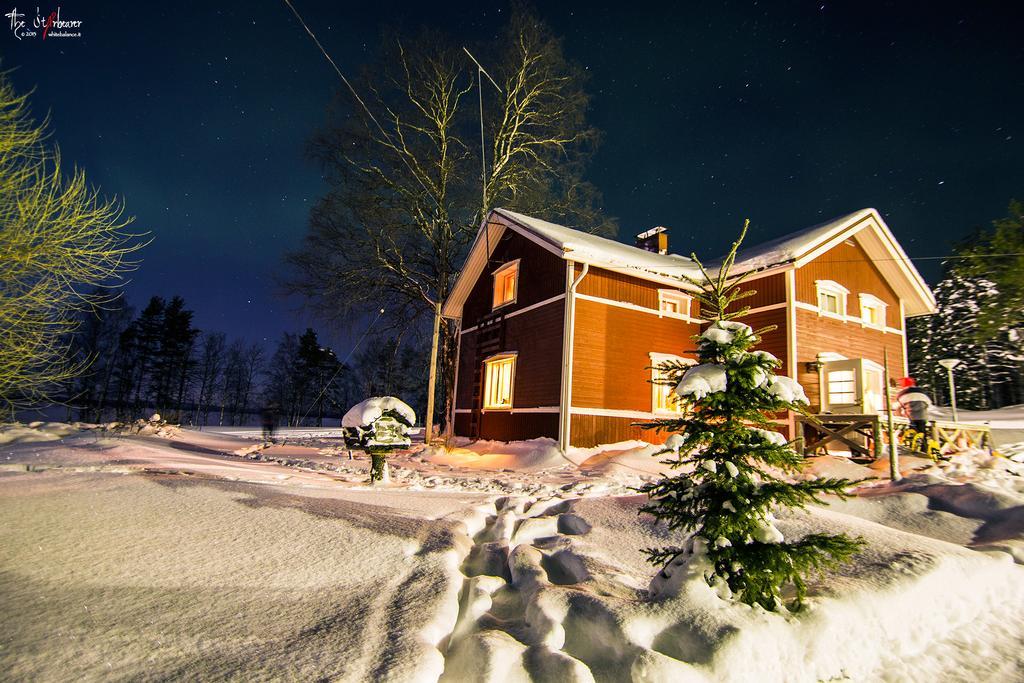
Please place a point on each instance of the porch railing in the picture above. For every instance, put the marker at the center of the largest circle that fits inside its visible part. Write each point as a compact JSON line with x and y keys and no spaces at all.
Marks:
{"x":866,"y":435}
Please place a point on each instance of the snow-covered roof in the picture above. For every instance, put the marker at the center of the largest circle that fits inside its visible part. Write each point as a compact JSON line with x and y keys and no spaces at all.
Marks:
{"x":790,"y":247}
{"x":601,"y":251}
{"x":568,"y":244}
{"x":791,"y":250}
{"x":865,"y":226}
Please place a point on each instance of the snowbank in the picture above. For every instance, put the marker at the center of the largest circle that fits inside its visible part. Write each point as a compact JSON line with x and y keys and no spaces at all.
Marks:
{"x":35,"y":432}
{"x":570,"y":601}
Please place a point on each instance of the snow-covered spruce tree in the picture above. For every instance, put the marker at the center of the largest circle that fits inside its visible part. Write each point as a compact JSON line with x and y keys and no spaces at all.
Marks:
{"x":739,"y":464}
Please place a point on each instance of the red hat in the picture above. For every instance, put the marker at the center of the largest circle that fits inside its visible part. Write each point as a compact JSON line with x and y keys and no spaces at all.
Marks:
{"x":907,"y":382}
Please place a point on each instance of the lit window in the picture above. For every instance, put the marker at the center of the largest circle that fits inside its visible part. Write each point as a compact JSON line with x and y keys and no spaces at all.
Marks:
{"x":673,"y":304}
{"x":831,"y":298}
{"x":506,"y":281}
{"x":498,"y":376}
{"x":665,"y":374}
{"x":842,"y":387}
{"x":872,"y":310}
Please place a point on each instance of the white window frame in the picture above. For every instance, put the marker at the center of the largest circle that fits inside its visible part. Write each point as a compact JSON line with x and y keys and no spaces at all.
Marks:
{"x":489,"y":363}
{"x":682,"y":301}
{"x":494,"y":284}
{"x":833,"y":288}
{"x":658,"y":389}
{"x":868,"y":301}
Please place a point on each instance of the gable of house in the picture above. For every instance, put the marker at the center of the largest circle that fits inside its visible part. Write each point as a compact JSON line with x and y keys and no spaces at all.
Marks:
{"x":528,"y":329}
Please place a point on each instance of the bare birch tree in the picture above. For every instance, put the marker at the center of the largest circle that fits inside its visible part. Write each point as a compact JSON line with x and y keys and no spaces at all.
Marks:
{"x":59,"y":241}
{"x":405,"y":185}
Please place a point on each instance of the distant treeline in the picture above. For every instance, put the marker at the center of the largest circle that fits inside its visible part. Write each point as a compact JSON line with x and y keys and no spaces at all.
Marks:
{"x":158,"y":361}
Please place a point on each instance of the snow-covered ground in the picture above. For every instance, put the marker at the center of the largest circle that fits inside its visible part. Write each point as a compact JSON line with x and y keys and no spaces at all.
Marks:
{"x":200,"y":555}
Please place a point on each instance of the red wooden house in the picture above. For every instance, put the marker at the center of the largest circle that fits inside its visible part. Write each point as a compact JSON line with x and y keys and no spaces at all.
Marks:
{"x":559,"y":329}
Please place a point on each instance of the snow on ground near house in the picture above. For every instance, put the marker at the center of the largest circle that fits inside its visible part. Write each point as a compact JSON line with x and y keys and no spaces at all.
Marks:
{"x":628,"y":462}
{"x":158,"y":557}
{"x":1010,"y":417}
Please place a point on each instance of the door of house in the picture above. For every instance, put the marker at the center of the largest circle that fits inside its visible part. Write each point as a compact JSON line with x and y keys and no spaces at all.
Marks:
{"x":842,"y":386}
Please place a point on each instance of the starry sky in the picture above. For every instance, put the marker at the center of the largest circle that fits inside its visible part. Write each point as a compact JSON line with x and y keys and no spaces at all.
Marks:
{"x":198,"y":114}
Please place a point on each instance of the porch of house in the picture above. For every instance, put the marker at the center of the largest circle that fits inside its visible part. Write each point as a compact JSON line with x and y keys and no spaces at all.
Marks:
{"x":866,"y":436}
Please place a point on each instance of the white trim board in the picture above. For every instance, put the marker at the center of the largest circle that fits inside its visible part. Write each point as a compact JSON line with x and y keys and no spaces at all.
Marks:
{"x":791,"y":349}
{"x":609,"y":412}
{"x":856,"y":320}
{"x":634,"y":307}
{"x":512,"y":411}
{"x":525,"y":309}
{"x":769,"y":307}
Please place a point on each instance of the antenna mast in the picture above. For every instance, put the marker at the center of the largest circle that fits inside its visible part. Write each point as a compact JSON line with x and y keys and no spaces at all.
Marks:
{"x":480,"y":73}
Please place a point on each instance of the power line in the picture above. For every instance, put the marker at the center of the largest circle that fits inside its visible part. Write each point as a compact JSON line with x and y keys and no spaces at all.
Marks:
{"x":341,"y":366}
{"x":360,"y":100}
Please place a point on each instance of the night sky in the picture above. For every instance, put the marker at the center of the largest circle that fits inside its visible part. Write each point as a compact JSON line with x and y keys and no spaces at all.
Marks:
{"x":198,"y":115}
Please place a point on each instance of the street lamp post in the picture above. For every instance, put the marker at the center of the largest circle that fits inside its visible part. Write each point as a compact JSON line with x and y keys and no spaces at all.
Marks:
{"x":949,"y":364}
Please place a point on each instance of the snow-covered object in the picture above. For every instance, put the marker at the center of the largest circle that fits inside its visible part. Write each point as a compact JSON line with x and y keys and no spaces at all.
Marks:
{"x":767,"y":533}
{"x":700,"y":380}
{"x":763,"y":376}
{"x":786,"y":389}
{"x":365,"y":413}
{"x":770,"y":436}
{"x":674,"y":442}
{"x":765,"y":356}
{"x":723,"y":332}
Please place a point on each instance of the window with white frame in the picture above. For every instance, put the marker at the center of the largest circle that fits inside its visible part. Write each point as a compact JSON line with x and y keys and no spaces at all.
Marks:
{"x":831,"y":298}
{"x":665,"y":369}
{"x":872,"y":310}
{"x":673,"y":304}
{"x":506,"y":284}
{"x":842,"y":387}
{"x":499,"y":376}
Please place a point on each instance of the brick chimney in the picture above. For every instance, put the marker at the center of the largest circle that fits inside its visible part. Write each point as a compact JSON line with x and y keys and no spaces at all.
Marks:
{"x":655,"y":240}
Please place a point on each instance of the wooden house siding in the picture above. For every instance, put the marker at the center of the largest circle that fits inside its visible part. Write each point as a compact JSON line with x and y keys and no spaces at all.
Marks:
{"x":612,"y":351}
{"x":819,"y":334}
{"x":849,"y":265}
{"x":770,"y":290}
{"x":509,"y":426}
{"x":541,"y":276}
{"x":534,"y":335}
{"x":536,"y":338}
{"x":774,"y":342}
{"x":593,"y":430}
{"x":607,"y":284}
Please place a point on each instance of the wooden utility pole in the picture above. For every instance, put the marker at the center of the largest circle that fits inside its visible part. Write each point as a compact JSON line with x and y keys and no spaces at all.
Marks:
{"x":894,"y":458}
{"x":428,"y":420}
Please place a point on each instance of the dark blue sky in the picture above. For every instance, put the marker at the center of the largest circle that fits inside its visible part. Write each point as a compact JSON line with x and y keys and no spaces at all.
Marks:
{"x":198,"y":115}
